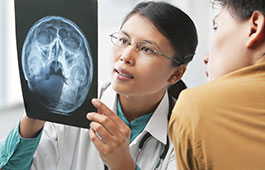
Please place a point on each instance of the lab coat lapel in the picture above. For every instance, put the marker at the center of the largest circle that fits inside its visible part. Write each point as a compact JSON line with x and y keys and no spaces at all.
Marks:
{"x":158,"y":123}
{"x":109,"y":98}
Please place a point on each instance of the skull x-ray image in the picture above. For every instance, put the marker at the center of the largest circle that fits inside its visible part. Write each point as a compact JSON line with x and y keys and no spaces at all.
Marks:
{"x":57,"y":43}
{"x":57,"y":64}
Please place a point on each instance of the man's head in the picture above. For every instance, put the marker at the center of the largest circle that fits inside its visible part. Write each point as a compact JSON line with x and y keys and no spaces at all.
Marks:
{"x":243,"y":9}
{"x":239,"y":37}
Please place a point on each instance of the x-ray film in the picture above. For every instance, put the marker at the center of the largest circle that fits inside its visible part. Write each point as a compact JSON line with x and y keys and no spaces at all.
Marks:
{"x":57,"y":56}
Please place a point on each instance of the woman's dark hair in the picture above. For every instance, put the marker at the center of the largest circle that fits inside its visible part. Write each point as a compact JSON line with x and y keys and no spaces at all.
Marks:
{"x":176,"y":26}
{"x":174,"y":90}
{"x":243,"y":9}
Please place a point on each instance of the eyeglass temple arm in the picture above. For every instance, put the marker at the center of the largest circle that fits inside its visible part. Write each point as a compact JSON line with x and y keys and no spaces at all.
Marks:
{"x":174,"y":60}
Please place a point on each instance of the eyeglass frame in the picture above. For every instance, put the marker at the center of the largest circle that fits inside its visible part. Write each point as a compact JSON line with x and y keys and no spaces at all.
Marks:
{"x":137,"y":49}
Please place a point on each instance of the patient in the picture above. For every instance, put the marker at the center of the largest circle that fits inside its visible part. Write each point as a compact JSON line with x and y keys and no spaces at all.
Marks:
{"x":221,"y":125}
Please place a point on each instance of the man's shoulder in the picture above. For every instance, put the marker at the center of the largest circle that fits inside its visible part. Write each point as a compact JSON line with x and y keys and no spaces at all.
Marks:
{"x":212,"y":90}
{"x":197,"y":94}
{"x":196,"y":103}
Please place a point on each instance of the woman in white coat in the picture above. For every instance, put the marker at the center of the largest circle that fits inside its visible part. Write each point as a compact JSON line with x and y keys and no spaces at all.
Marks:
{"x":151,"y":50}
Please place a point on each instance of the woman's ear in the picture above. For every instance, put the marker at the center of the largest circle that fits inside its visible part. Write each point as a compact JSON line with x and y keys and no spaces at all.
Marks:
{"x":177,"y":74}
{"x":256,"y":29}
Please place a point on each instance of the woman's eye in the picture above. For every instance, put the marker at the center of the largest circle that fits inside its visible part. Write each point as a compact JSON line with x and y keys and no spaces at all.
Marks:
{"x":147,"y":50}
{"x":123,"y":41}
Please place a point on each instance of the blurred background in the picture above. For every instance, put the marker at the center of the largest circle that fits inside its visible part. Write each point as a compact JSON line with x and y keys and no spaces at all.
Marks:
{"x":111,"y":13}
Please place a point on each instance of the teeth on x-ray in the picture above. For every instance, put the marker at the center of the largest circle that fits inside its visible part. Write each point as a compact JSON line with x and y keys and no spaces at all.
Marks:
{"x":57,"y":64}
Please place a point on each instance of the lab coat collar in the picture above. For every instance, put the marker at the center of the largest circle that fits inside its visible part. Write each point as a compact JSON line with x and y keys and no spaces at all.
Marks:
{"x":157,"y":125}
{"x":109,"y":98}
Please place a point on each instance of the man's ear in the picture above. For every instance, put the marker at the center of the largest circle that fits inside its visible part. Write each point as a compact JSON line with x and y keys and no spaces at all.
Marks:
{"x":256,"y":29}
{"x":177,"y":74}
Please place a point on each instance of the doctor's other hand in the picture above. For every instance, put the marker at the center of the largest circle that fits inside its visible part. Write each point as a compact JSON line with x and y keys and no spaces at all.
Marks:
{"x":111,"y":137}
{"x":30,"y":128}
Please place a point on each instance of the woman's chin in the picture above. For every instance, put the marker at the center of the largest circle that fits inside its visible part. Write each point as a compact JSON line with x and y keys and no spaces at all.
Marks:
{"x":120,"y":88}
{"x":116,"y":87}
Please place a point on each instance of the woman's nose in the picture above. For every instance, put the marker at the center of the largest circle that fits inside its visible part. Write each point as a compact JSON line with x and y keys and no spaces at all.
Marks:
{"x":128,"y":55}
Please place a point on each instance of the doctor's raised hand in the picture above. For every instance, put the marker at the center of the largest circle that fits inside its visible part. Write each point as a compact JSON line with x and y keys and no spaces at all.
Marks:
{"x":130,"y":128}
{"x":111,"y":137}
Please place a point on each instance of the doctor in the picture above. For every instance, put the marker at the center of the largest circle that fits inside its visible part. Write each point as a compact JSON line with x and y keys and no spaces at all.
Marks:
{"x":150,"y":53}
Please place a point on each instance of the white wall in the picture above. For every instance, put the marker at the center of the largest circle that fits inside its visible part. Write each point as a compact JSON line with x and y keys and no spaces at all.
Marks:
{"x":2,"y":50}
{"x":111,"y":13}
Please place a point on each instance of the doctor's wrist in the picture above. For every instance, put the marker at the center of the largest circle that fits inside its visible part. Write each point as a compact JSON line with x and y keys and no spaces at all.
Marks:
{"x":30,"y":128}
{"x":129,"y":166}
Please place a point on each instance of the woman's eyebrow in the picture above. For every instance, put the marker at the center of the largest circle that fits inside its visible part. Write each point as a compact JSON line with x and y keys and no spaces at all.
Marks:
{"x":153,"y":43}
{"x":147,"y":41}
{"x":126,"y":33}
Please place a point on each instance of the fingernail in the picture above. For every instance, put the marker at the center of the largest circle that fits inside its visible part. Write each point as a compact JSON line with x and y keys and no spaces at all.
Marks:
{"x":95,"y":101}
{"x":89,"y":115}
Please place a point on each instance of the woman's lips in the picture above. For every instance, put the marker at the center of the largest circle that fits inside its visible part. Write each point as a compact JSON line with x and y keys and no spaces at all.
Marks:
{"x":122,"y":74}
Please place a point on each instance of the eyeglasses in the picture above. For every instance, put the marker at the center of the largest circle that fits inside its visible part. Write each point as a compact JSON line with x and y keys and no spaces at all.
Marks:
{"x":144,"y":48}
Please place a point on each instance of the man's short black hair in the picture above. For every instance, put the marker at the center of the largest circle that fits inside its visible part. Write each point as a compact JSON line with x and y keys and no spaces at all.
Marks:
{"x":243,"y":8}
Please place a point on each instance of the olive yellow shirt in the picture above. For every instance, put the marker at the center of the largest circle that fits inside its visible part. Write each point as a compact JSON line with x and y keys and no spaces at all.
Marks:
{"x":221,"y":125}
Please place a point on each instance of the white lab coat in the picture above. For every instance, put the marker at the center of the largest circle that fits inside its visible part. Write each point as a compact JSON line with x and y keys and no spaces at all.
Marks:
{"x":70,"y":148}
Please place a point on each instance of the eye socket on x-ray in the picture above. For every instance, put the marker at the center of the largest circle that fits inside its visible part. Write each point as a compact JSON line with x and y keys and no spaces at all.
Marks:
{"x":57,"y":64}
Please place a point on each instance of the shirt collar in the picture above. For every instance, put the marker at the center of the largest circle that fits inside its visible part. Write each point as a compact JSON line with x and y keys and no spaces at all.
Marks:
{"x":134,"y":123}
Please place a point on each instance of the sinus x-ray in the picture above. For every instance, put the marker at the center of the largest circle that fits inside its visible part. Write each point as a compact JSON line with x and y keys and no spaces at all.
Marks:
{"x":57,"y":55}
